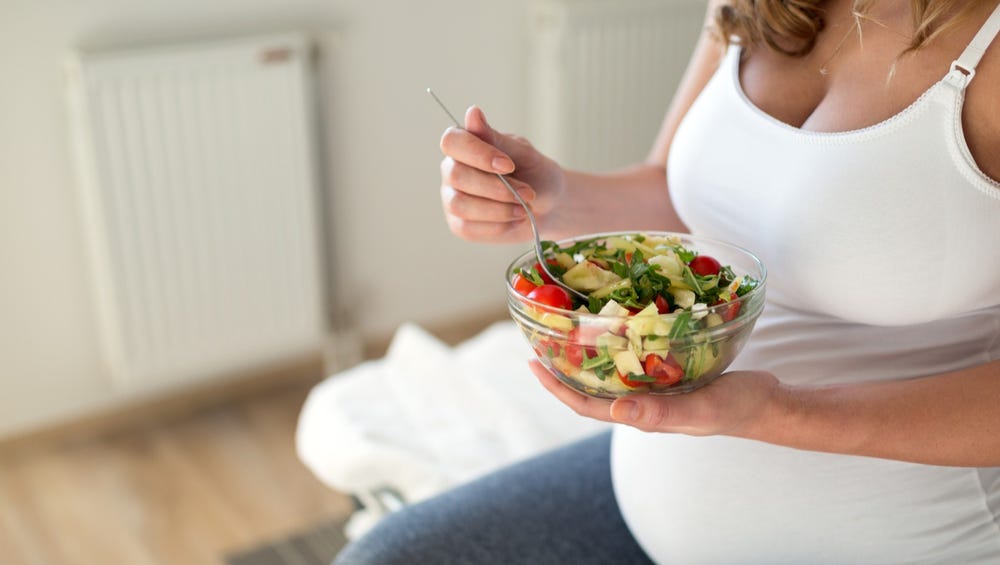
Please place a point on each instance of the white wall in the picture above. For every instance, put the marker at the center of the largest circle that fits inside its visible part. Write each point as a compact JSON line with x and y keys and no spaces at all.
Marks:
{"x":399,"y":261}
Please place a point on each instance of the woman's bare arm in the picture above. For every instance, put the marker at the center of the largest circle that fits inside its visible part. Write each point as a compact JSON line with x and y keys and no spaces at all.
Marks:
{"x":948,"y":419}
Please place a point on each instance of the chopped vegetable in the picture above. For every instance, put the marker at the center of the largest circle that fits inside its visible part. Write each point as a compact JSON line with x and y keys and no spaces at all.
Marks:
{"x":654,"y":298}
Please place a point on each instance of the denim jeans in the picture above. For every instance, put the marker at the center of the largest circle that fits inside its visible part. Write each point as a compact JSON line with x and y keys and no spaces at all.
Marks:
{"x":556,"y":508}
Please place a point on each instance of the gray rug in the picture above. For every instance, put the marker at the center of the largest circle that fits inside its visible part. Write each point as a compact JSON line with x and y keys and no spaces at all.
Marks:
{"x":315,"y":546}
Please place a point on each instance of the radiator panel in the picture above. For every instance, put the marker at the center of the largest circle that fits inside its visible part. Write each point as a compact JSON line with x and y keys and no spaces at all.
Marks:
{"x":198,"y":171}
{"x":602,"y":74}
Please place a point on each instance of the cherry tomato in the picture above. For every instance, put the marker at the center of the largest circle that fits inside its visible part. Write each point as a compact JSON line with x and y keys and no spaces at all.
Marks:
{"x":574,"y":354}
{"x":545,"y":276}
{"x":547,"y":348}
{"x":552,"y":295}
{"x":662,"y":305}
{"x":522,"y":285}
{"x":585,"y":339}
{"x":705,"y":266}
{"x":731,"y":310}
{"x":667,"y":371}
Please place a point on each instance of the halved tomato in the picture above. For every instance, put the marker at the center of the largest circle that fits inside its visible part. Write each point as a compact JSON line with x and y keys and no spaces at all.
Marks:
{"x":547,"y":348}
{"x":730,"y":310}
{"x":666,"y":371}
{"x":522,"y":285}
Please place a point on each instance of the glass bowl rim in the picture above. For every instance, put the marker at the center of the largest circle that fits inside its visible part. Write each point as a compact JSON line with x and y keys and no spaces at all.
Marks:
{"x":590,"y":315}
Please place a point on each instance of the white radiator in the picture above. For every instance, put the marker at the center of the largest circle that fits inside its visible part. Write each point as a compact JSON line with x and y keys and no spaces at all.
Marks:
{"x":603,"y":73}
{"x":198,"y":169}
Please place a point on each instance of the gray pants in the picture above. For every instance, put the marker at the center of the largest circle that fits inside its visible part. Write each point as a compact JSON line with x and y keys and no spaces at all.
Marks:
{"x":555,"y":508}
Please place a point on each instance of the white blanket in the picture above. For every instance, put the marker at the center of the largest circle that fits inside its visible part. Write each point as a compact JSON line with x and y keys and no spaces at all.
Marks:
{"x":428,"y":416}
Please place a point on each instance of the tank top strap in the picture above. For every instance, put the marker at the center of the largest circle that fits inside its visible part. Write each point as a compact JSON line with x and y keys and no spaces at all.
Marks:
{"x":964,"y":68}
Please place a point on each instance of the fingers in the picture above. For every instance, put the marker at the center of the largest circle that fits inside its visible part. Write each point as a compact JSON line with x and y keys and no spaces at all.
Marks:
{"x":475,"y":122}
{"x":511,"y":145}
{"x":476,"y":209}
{"x":729,"y":406}
{"x":477,"y":203}
{"x":649,"y":413}
{"x":579,"y":403}
{"x":473,"y":181}
{"x":479,"y":207}
{"x":696,"y":413}
{"x":493,"y":232}
{"x":466,"y":147}
{"x":646,"y":413}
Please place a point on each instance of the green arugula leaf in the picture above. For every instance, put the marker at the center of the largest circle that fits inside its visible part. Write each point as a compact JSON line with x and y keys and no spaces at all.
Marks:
{"x":619,"y":268}
{"x":602,"y":359}
{"x":681,"y":325}
{"x":726,"y":276}
{"x":747,"y":285}
{"x":642,"y":378}
{"x":684,"y":254}
{"x":626,"y":297}
{"x":691,"y":280}
{"x":637,"y":270}
{"x":533,"y":276}
{"x":604,"y":371}
{"x":580,"y":246}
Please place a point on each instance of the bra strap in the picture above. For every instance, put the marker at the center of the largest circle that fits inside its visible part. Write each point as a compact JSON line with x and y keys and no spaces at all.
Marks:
{"x":964,"y":68}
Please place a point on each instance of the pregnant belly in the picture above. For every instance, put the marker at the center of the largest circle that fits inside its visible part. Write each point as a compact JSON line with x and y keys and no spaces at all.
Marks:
{"x":725,"y":500}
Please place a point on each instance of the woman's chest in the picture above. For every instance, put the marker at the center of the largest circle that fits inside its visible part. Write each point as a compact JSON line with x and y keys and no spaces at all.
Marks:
{"x":856,"y":77}
{"x":881,"y":226}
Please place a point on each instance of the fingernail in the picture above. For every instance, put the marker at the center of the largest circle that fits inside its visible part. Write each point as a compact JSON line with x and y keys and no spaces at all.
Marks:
{"x":527,"y":194}
{"x":502,"y":165}
{"x":625,"y":410}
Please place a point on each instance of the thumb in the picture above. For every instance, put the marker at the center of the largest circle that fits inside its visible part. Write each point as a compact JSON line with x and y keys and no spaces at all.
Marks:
{"x":475,"y":122}
{"x":640,"y":411}
{"x":681,"y":413}
{"x":517,"y":149}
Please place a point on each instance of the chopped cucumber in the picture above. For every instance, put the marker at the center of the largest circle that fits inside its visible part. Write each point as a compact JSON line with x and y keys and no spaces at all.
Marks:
{"x":627,"y":362}
{"x":588,"y":277}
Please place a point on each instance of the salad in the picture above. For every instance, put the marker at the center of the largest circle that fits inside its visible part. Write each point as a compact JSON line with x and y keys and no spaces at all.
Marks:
{"x":650,"y":300}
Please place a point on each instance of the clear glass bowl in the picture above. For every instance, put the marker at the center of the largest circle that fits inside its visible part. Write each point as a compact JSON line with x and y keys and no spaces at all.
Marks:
{"x":570,"y":343}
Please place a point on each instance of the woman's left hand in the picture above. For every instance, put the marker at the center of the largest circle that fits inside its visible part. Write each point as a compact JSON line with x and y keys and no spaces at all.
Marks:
{"x":737,"y":404}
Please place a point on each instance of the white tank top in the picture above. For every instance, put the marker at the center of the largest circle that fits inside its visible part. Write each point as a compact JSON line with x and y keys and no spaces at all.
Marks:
{"x":882,"y":250}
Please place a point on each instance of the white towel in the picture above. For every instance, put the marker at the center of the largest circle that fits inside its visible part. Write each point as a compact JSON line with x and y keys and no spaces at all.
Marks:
{"x":428,"y":416}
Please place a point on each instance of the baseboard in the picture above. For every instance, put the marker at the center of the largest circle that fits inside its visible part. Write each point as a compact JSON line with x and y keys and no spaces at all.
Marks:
{"x":133,"y":413}
{"x":302,"y":372}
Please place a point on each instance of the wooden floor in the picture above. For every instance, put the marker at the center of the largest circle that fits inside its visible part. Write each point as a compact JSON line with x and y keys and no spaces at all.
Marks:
{"x":187,"y":491}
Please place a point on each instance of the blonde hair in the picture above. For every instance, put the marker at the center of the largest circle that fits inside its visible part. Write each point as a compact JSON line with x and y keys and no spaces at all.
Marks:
{"x":791,"y":26}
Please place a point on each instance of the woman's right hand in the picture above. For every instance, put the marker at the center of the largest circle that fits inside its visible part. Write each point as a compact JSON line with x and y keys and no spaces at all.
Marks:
{"x":477,"y":206}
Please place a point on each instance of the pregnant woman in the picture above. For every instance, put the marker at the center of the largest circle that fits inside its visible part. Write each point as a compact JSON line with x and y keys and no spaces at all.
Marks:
{"x":855,"y":147}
